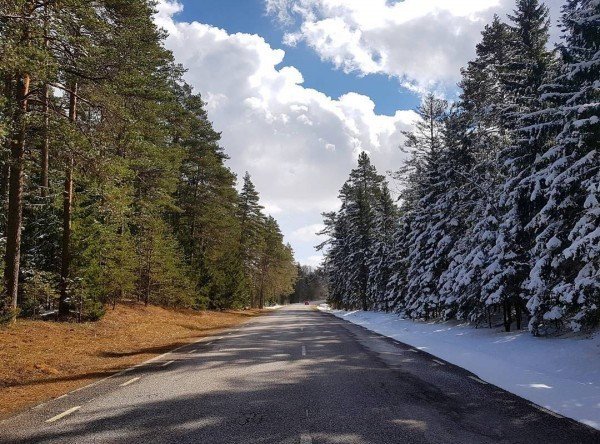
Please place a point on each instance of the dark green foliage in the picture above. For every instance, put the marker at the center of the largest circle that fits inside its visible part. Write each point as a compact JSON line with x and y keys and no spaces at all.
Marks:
{"x":134,"y":201}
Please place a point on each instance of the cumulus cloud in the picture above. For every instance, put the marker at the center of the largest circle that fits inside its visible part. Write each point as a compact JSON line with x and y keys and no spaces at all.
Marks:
{"x":297,"y":143}
{"x":423,"y":43}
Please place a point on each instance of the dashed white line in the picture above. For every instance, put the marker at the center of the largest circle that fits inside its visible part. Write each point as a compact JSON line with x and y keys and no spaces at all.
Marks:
{"x":439,"y":362}
{"x":131,"y":381}
{"x":475,"y":378}
{"x":303,"y":350}
{"x":305,"y":439}
{"x":167,"y":363}
{"x":63,"y":414}
{"x":413,"y":350}
{"x":191,"y":351}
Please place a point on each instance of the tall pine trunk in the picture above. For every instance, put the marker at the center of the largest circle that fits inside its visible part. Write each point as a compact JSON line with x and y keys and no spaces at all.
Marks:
{"x":44,"y":185}
{"x":45,"y":151}
{"x":8,"y":307}
{"x":65,"y":268}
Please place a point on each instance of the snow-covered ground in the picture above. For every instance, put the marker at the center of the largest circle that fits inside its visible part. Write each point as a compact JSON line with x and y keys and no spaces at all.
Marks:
{"x":560,"y":374}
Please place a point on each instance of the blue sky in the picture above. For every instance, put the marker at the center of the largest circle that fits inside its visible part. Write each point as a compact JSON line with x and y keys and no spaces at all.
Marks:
{"x":299,"y":88}
{"x":249,"y":16}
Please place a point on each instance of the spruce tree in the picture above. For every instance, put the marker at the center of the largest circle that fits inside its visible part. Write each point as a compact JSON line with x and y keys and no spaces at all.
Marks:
{"x":522,"y":76}
{"x":565,"y":275}
{"x":421,"y":174}
{"x":385,"y":225}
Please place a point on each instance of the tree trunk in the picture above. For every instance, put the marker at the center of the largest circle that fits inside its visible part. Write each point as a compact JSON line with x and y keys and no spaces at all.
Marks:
{"x":44,"y":185}
{"x":518,"y":312}
{"x":63,"y":306}
{"x":507,"y":312}
{"x":46,"y":142}
{"x":8,"y":307}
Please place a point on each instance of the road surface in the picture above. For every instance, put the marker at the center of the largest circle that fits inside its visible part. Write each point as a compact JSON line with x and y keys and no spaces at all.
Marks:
{"x":293,"y":376}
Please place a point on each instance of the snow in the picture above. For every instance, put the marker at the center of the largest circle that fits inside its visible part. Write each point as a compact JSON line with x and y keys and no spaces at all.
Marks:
{"x":560,"y":374}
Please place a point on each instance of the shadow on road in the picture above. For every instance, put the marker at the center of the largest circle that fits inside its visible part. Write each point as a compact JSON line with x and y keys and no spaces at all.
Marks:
{"x":256,"y":386}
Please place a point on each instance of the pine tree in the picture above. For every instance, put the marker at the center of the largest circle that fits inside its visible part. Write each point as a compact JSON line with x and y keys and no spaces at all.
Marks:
{"x":251,"y":220}
{"x":364,"y":187}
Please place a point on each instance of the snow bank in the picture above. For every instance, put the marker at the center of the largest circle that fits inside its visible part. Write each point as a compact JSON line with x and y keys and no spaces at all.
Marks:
{"x":560,"y":374}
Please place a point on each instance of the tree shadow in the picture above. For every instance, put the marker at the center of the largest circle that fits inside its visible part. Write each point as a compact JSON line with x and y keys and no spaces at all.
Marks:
{"x":252,"y":390}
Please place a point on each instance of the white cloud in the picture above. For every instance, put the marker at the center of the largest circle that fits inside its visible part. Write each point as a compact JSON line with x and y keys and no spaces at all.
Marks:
{"x":308,"y":234}
{"x":297,"y":143}
{"x":421,"y":42}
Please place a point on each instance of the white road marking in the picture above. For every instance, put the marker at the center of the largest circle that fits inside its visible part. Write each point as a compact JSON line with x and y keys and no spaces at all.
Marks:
{"x":131,"y":381}
{"x":413,"y":350}
{"x":208,"y":343}
{"x":303,"y":350}
{"x":167,"y":363}
{"x":439,"y":362}
{"x":475,"y":378}
{"x":191,"y":351}
{"x":62,"y":396}
{"x":63,"y":414}
{"x":305,"y":439}
{"x":306,"y":413}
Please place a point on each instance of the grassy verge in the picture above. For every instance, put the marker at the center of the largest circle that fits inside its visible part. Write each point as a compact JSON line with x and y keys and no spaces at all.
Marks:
{"x":41,"y":360}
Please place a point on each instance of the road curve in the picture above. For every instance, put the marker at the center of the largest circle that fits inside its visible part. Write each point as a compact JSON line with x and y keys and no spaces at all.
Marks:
{"x":294,"y":376}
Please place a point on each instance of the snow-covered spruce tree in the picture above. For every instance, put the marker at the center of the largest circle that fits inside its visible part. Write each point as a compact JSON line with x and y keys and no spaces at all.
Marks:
{"x":336,"y":251}
{"x":455,"y":207}
{"x":565,"y":278}
{"x":397,"y":264}
{"x":386,"y":219}
{"x":522,"y":76}
{"x":352,"y":236}
{"x":481,"y":128}
{"x":424,"y":209}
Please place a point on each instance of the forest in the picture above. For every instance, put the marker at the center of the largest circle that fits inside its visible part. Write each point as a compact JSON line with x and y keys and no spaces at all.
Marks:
{"x":113,"y":183}
{"x":498,"y":217}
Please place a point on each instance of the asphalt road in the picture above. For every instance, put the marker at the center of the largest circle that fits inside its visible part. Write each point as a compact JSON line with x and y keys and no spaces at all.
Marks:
{"x":294,"y":376}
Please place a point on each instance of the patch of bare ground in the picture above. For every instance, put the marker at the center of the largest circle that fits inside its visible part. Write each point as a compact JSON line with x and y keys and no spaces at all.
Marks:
{"x":40,"y":360}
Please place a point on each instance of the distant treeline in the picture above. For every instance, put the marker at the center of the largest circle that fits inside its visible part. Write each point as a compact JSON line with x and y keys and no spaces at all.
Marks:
{"x":311,"y":285}
{"x":113,"y":184}
{"x":498,"y":220}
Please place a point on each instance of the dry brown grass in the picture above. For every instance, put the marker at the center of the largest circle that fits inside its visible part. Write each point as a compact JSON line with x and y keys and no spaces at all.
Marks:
{"x":41,"y":360}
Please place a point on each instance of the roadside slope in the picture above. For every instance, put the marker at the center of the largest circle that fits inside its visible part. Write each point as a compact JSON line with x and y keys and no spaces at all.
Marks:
{"x":559,"y":374}
{"x":41,"y":360}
